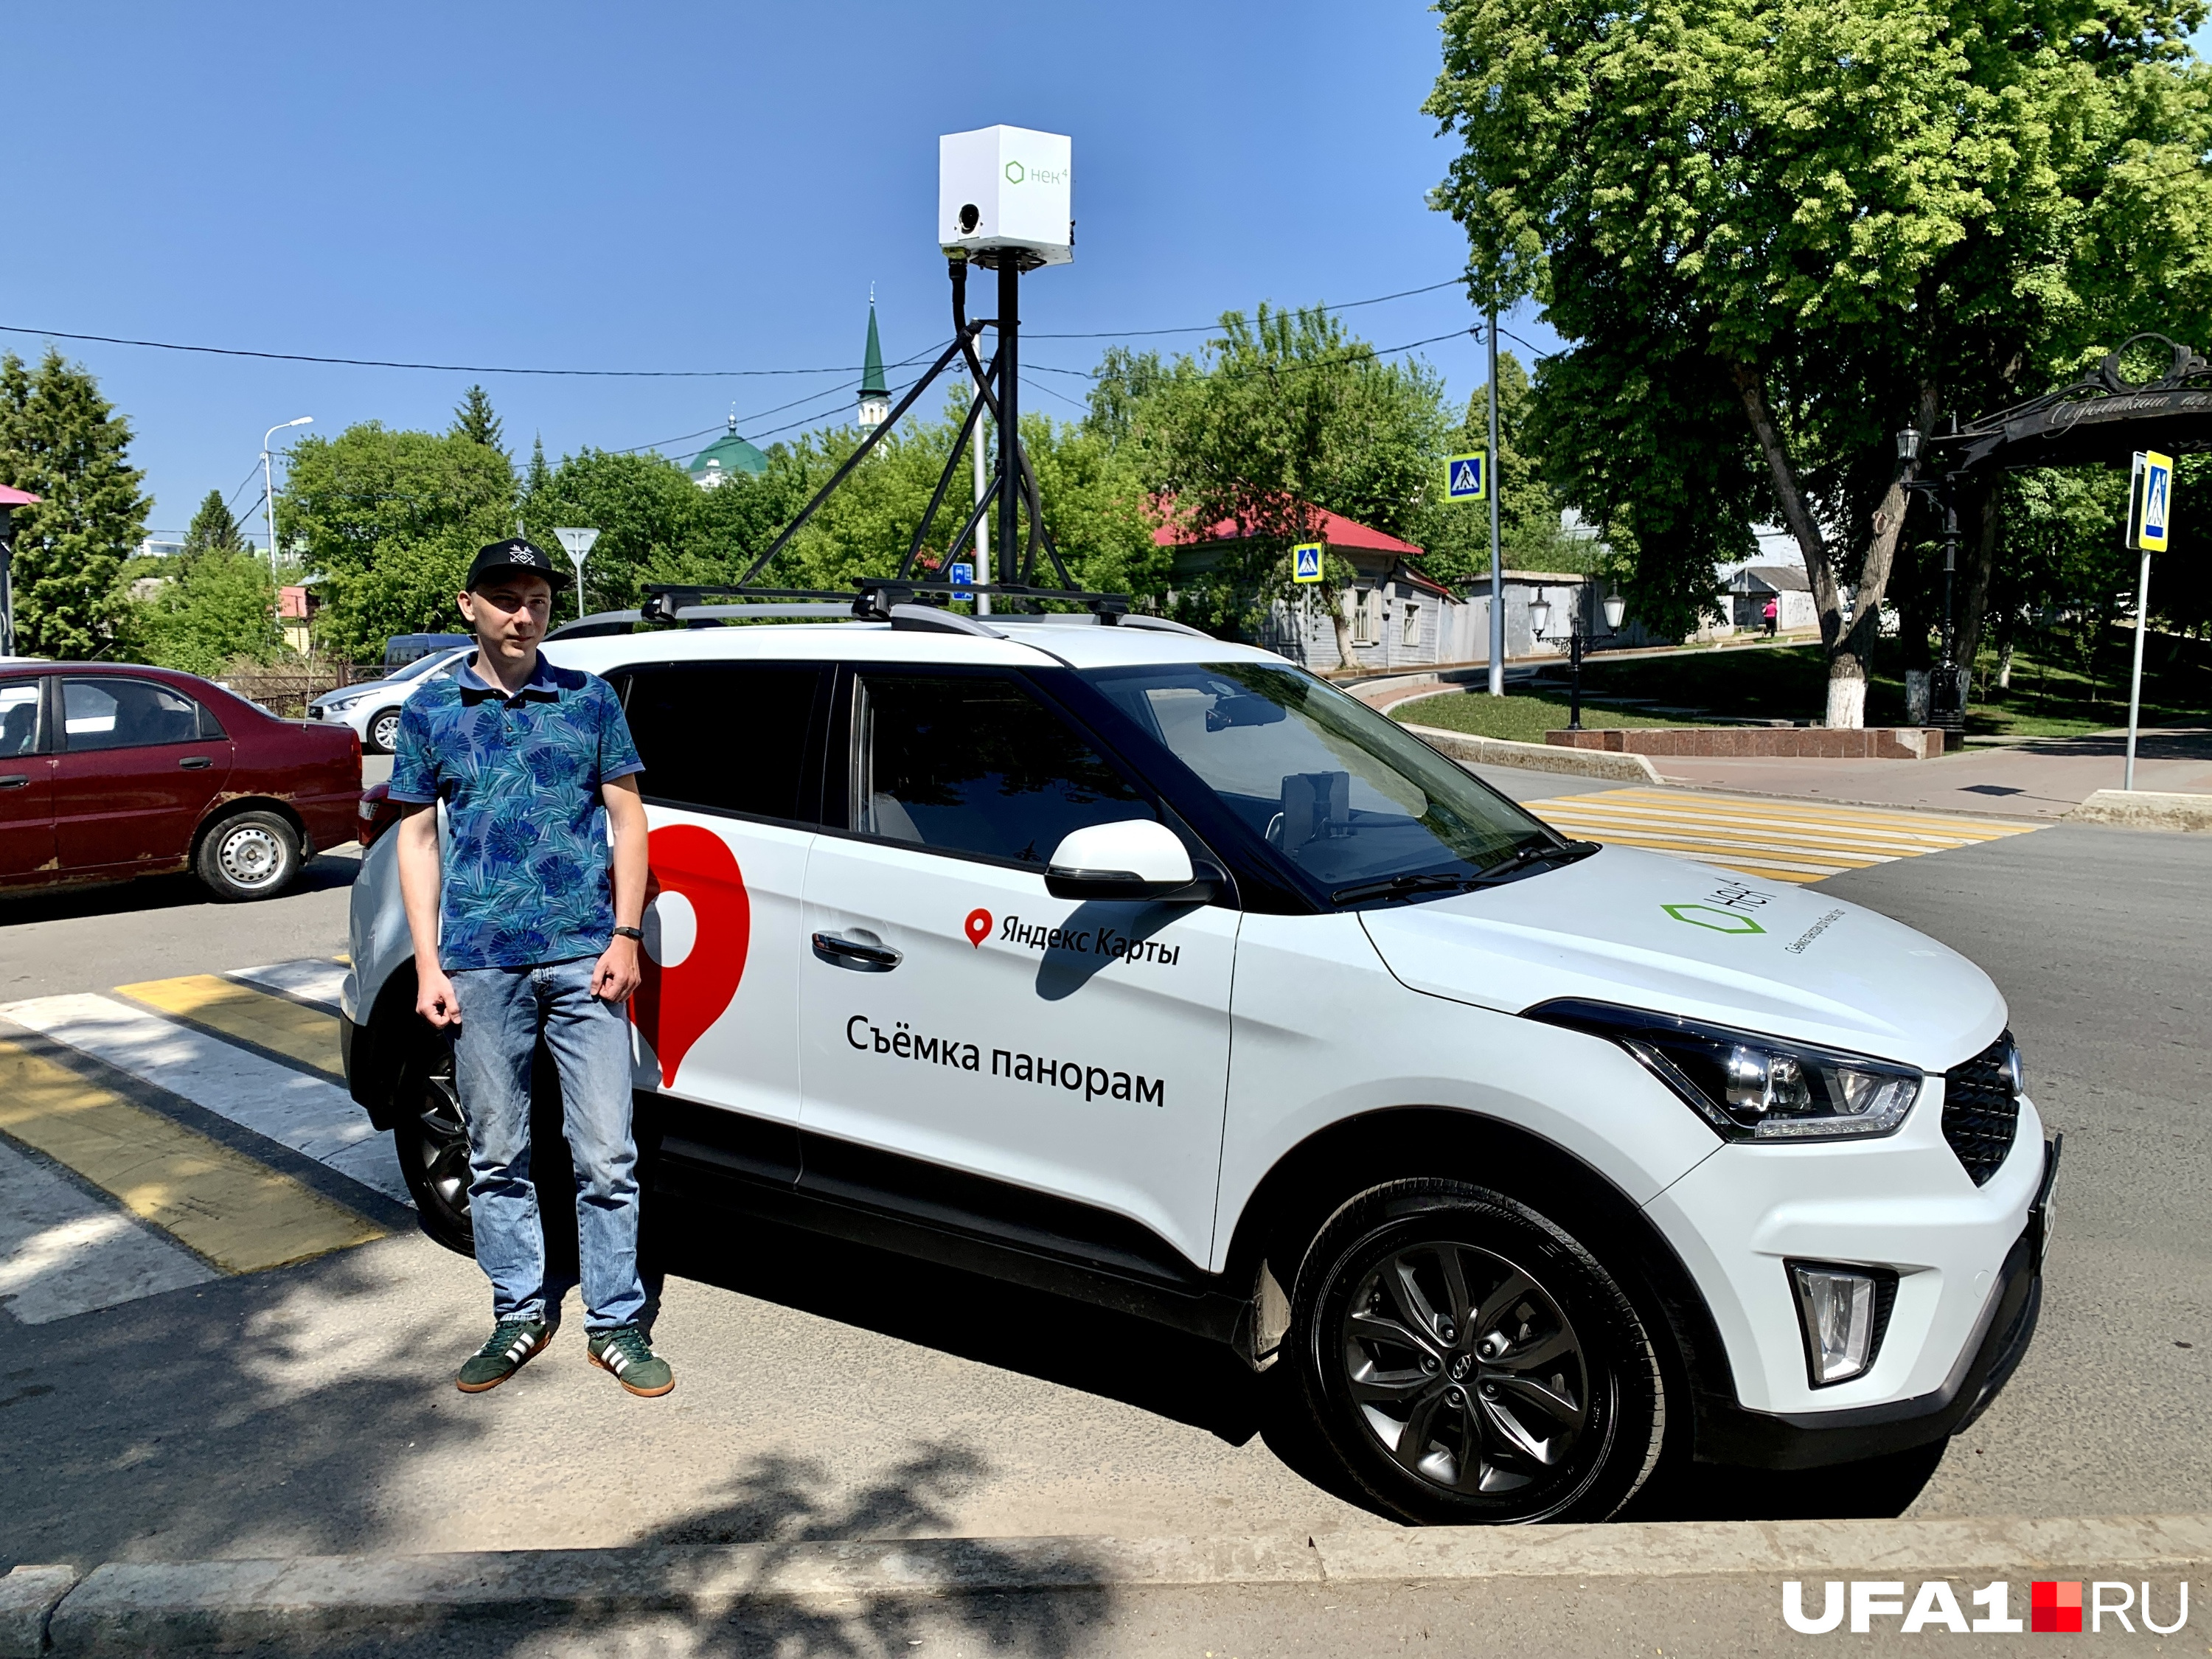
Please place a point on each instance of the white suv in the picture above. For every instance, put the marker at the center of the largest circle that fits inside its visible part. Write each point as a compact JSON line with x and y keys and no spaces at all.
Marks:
{"x":1152,"y":971}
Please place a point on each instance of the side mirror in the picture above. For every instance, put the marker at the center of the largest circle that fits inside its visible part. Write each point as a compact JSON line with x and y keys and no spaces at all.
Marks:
{"x":1137,"y":858}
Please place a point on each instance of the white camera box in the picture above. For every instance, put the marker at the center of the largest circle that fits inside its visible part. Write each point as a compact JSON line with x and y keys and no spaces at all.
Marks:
{"x":1007,"y":188}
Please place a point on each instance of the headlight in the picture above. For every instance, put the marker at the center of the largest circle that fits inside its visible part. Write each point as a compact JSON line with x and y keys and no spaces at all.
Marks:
{"x":341,"y":705}
{"x":1751,"y":1087}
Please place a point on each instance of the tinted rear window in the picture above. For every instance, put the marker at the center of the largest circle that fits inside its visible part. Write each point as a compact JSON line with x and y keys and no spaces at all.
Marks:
{"x":726,"y":737}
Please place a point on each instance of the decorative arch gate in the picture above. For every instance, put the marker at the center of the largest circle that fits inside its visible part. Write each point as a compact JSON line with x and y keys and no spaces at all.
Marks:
{"x":2100,"y":420}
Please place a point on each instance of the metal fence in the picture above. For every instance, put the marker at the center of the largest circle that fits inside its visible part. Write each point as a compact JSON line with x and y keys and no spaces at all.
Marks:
{"x":287,"y":691}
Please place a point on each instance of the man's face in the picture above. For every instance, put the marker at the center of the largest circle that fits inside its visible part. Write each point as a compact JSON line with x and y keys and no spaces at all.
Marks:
{"x":508,"y":612}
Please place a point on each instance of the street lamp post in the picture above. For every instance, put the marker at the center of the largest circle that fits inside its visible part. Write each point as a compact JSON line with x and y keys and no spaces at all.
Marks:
{"x":1946,"y":702}
{"x":1539,"y":618}
{"x":268,"y":484}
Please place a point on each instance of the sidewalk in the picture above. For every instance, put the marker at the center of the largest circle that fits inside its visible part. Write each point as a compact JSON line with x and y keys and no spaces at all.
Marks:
{"x":2047,"y":779}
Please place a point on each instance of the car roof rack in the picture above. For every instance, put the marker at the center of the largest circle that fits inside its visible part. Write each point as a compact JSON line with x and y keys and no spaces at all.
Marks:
{"x":871,"y":598}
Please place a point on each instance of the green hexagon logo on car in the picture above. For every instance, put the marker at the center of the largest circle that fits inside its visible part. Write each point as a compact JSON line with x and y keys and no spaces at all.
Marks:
{"x":1712,"y":916}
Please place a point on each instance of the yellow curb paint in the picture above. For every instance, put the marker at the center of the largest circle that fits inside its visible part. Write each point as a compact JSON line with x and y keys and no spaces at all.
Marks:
{"x":241,"y":1215}
{"x":225,"y":1008}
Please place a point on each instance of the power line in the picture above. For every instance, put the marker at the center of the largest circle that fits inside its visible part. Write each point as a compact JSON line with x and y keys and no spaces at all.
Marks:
{"x":442,"y":368}
{"x":1207,"y":328}
{"x":618,"y":373}
{"x":1363,"y":355}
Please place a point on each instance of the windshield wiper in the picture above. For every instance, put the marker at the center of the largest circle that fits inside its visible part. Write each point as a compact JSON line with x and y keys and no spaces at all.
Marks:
{"x":1436,"y":881}
{"x":1521,"y":861}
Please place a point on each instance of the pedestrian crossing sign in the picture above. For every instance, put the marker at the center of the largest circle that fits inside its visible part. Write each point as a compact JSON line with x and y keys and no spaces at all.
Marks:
{"x":2151,"y":501}
{"x":1467,"y":477}
{"x":1305,"y":562}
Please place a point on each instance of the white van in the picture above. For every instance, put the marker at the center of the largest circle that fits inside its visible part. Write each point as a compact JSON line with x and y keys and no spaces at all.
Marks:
{"x":1151,"y":970}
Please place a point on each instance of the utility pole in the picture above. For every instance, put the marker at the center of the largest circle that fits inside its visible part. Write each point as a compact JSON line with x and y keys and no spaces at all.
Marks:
{"x":1497,"y":569}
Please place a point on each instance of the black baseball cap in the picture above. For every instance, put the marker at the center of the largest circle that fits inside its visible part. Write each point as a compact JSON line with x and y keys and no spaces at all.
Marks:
{"x":513,"y":554}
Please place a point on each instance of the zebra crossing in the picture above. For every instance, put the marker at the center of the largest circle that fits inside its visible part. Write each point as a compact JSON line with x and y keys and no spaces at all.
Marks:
{"x":1774,"y":839}
{"x":112,"y":1189}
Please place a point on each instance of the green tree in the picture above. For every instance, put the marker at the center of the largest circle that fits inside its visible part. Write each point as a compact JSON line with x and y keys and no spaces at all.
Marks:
{"x":210,"y":609}
{"x":213,"y":529}
{"x":62,"y":441}
{"x":1814,"y":220}
{"x":1287,"y":413}
{"x":473,"y":419}
{"x":1457,"y":536}
{"x":391,"y":519}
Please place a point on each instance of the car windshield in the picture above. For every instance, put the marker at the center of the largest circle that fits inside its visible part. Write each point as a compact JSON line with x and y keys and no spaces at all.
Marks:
{"x":1345,"y":794}
{"x":423,"y":666}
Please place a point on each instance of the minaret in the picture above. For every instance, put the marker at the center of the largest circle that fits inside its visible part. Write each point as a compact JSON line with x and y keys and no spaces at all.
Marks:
{"x":875,"y":397}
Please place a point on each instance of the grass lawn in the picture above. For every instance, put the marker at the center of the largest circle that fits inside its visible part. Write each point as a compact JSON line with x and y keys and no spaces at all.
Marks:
{"x":2045,"y":699}
{"x":1516,"y":719}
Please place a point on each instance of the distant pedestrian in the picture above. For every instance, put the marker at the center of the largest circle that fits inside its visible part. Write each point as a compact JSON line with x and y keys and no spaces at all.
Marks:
{"x":519,"y":934}
{"x":1771,"y":611}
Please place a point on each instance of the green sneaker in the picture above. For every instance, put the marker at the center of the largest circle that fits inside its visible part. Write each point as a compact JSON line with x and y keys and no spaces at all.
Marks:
{"x":624,"y":1351}
{"x":514,"y":1343}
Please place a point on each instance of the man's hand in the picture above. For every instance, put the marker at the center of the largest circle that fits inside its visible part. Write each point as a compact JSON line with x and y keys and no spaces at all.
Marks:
{"x":617,"y":973}
{"x":435,"y":997}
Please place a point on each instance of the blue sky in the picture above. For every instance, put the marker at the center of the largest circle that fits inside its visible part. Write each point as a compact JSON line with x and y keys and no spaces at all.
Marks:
{"x":662,"y":187}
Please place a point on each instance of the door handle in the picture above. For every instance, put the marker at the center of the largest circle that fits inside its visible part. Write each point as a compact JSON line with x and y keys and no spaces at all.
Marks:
{"x":14,"y":781}
{"x":196,"y":762}
{"x":860,"y":957}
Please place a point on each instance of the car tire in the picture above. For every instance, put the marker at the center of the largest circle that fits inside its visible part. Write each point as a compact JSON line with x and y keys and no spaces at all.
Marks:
{"x":253,"y":855}
{"x":431,"y":1140}
{"x":1468,"y":1361}
{"x":381,"y":735}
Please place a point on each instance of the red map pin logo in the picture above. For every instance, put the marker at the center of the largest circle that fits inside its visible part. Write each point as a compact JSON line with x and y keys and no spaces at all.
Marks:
{"x":979,"y":926}
{"x":695,"y":954}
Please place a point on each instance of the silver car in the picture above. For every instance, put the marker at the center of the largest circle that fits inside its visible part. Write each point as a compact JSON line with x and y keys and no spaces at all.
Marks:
{"x":372,"y":710}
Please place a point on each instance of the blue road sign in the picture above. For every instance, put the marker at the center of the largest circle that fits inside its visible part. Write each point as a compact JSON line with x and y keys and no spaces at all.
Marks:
{"x":964,"y":574}
{"x":2157,"y":501}
{"x":1467,"y":477}
{"x":1305,"y":562}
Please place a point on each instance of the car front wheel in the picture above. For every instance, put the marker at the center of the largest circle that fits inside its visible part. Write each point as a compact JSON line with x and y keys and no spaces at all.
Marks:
{"x":1469,"y":1362}
{"x":254,"y":855}
{"x":384,"y":732}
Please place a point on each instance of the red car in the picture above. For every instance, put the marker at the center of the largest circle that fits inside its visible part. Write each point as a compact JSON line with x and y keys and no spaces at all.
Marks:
{"x":111,"y":770}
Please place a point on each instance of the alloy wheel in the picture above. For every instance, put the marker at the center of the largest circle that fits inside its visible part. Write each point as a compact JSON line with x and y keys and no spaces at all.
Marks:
{"x":1465,"y":1371}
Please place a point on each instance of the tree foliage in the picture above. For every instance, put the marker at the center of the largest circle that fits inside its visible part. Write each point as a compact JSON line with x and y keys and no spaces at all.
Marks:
{"x":62,"y":441}
{"x":1457,"y":536}
{"x":213,"y":529}
{"x":473,"y":419}
{"x":1284,"y":413}
{"x":1805,"y":222}
{"x":208,"y":610}
{"x":391,"y":519}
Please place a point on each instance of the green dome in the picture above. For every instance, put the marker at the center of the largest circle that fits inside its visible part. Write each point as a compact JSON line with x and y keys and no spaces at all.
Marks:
{"x":727,"y":454}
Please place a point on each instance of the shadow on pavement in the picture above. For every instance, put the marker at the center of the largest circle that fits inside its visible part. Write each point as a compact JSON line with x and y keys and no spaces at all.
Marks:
{"x":20,"y":907}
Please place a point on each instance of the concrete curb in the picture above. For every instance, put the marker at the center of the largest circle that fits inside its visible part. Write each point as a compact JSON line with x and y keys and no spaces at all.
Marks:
{"x":127,"y":1607}
{"x":1538,"y":757}
{"x":2145,"y":809}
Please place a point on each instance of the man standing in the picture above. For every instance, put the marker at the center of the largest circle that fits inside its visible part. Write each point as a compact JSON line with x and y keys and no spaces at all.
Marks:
{"x":517,"y":936}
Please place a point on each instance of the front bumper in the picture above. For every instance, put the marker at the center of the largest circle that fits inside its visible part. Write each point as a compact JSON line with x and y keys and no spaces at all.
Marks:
{"x":1729,"y":1433}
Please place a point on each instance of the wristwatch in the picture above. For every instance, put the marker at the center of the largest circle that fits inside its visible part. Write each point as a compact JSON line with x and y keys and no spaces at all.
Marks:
{"x":637,"y":933}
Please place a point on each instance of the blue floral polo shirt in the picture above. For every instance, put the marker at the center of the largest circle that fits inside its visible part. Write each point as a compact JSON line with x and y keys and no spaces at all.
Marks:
{"x":527,"y":858}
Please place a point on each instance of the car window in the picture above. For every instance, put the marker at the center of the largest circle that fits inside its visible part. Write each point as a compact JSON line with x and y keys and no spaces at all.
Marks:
{"x":725,"y":737}
{"x":125,"y":714}
{"x":975,"y":764}
{"x":423,"y":666}
{"x":1343,"y":793}
{"x":19,"y":717}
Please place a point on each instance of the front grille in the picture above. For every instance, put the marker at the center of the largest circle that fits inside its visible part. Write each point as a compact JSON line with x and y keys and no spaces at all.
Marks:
{"x":1981,"y":1113}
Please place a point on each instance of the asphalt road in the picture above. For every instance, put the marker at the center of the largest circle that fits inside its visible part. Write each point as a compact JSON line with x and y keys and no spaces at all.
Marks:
{"x":827,"y":1391}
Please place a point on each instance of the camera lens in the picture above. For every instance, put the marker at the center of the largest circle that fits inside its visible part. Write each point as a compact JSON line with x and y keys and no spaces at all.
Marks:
{"x":968,"y":217}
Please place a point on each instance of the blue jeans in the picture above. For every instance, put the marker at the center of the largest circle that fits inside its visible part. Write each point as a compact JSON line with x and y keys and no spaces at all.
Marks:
{"x":504,"y":1012}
